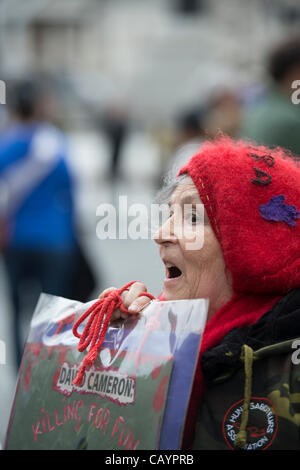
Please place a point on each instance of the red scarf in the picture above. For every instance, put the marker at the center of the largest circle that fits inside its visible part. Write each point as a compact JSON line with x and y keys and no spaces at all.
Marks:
{"x":241,"y":310}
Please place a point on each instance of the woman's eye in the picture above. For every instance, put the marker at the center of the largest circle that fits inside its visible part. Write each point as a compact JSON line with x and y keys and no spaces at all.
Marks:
{"x":192,"y":217}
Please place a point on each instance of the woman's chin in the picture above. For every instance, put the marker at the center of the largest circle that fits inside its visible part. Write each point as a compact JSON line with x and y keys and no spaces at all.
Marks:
{"x":169,"y":295}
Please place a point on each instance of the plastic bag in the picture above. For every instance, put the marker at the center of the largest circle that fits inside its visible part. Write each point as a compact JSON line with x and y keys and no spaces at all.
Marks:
{"x":136,"y":394}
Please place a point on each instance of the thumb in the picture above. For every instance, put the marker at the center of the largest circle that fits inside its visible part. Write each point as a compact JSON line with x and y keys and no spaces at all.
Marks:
{"x":139,"y":304}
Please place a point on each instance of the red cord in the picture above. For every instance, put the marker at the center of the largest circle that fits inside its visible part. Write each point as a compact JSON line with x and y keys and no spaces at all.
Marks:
{"x":93,"y":334}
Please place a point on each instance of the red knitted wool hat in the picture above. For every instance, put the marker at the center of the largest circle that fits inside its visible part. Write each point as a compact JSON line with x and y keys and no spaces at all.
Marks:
{"x":252,"y":197}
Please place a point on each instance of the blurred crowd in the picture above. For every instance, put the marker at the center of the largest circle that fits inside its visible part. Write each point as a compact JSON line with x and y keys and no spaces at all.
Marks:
{"x":265,"y":113}
{"x":39,"y":235}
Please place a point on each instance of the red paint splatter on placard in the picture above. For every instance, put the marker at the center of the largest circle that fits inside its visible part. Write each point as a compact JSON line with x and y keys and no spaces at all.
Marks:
{"x":155,"y":373}
{"x":65,"y":321}
{"x":50,"y":351}
{"x":35,"y":349}
{"x":159,"y":397}
{"x":62,"y":356}
{"x":27,"y":377}
{"x":55,"y":378}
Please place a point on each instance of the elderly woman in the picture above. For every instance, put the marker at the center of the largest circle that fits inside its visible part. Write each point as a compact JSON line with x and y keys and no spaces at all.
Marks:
{"x":247,"y":383}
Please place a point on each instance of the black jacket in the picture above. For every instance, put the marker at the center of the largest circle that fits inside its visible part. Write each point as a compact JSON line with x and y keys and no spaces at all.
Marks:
{"x":252,"y":384}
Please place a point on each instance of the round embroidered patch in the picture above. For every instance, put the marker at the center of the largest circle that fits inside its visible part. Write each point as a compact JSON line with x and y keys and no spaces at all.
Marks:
{"x":261,"y":427}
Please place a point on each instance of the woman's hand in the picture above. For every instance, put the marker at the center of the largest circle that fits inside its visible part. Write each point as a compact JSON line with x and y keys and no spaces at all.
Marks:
{"x":130,"y":299}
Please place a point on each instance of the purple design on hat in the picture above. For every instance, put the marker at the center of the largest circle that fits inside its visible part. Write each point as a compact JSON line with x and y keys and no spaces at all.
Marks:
{"x":278,"y":211}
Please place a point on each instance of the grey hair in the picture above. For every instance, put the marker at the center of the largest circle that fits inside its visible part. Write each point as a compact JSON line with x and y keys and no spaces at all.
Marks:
{"x":170,"y":183}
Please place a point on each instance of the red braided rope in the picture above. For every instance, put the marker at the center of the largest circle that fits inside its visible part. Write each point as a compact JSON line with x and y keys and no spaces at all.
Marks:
{"x":94,"y":332}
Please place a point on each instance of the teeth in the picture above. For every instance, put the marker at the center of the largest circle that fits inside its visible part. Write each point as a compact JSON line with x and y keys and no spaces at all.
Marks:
{"x":169,"y":265}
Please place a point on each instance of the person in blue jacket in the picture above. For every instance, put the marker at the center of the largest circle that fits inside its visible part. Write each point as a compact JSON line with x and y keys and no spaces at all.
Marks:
{"x":37,"y":230}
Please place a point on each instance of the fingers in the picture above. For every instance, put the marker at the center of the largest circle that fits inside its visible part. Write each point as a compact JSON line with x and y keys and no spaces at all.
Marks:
{"x":139,"y":304}
{"x":130,"y":299}
{"x":109,"y":289}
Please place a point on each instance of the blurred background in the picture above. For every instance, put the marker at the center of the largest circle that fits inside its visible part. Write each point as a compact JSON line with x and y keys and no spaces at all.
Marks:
{"x":103,"y":98}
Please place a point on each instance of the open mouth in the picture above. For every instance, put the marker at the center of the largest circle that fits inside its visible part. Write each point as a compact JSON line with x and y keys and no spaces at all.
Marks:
{"x":172,"y":271}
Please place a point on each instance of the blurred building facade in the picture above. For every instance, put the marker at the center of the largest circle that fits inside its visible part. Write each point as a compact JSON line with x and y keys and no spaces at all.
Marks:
{"x":157,"y":54}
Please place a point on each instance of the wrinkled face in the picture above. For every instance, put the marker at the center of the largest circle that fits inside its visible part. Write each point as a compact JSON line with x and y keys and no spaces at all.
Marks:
{"x":194,"y":267}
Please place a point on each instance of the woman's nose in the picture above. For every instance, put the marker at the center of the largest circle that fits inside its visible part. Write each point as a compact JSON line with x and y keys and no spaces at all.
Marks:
{"x":165,"y":233}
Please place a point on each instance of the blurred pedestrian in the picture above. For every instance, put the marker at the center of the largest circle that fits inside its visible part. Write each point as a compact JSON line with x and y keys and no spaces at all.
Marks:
{"x":275,"y":120}
{"x":224,"y":112}
{"x":37,"y":229}
{"x":190,"y":132}
{"x":115,"y":126}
